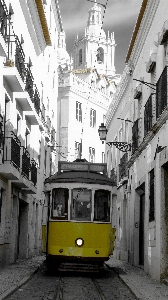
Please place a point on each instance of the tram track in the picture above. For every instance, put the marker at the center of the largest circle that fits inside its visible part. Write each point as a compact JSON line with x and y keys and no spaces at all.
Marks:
{"x":62,"y":292}
{"x":102,"y":297}
{"x":74,"y":285}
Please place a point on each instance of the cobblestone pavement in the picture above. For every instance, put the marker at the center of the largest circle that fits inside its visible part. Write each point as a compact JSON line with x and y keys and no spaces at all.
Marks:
{"x":140,"y":283}
{"x":14,"y":275}
{"x":73,"y":286}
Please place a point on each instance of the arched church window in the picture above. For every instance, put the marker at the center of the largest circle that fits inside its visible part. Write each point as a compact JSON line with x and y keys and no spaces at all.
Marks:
{"x":100,"y":55}
{"x":92,"y":18}
{"x":80,"y":56}
{"x":92,"y":82}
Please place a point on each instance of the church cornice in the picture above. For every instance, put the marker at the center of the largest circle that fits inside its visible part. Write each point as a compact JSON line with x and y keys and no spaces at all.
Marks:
{"x":91,"y":70}
{"x":82,"y":71}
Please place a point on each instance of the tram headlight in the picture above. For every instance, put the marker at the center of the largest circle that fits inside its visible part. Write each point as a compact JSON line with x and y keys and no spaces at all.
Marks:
{"x":79,"y":242}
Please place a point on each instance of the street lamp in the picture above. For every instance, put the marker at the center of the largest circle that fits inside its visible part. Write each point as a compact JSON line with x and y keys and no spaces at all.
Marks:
{"x":122,"y":146}
{"x":102,"y":132}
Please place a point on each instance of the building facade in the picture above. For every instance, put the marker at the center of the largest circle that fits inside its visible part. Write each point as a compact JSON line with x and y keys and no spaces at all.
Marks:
{"x":87,"y":81}
{"x":28,"y":95}
{"x":138,"y":116}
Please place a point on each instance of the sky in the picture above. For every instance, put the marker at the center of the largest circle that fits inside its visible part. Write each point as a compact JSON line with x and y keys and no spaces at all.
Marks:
{"x":120,"y":18}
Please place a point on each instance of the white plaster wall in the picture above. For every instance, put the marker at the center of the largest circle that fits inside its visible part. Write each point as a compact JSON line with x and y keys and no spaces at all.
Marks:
{"x":123,"y":107}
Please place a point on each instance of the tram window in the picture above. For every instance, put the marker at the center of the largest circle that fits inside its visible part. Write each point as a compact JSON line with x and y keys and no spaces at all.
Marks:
{"x":60,"y":203}
{"x":81,"y":204}
{"x":102,"y":206}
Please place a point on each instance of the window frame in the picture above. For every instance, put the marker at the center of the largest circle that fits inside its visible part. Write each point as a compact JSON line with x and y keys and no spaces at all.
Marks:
{"x":91,"y":154}
{"x":100,"y":55}
{"x":148,"y":116}
{"x":59,"y":218}
{"x":92,"y":118}
{"x":79,"y":111}
{"x":80,"y":56}
{"x":152,"y":195}
{"x":161,"y":93}
{"x":78,"y":218}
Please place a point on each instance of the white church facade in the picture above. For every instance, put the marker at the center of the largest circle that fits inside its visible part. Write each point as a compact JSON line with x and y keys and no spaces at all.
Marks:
{"x":87,"y":82}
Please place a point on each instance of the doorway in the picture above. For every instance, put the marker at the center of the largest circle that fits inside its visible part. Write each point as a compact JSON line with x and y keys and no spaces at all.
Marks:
{"x":141,"y":229}
{"x":23,"y":229}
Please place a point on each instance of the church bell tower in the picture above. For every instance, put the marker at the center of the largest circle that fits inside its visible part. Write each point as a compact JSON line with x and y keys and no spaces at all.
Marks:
{"x":95,"y":50}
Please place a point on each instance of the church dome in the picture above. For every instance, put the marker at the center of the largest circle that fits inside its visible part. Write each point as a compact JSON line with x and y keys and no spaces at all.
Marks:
{"x":94,"y":24}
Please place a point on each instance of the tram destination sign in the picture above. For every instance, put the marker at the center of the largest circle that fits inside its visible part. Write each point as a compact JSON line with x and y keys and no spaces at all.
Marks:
{"x":82,"y":166}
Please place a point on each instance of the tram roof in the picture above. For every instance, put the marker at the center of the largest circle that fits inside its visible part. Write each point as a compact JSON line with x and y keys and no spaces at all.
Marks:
{"x":79,"y":176}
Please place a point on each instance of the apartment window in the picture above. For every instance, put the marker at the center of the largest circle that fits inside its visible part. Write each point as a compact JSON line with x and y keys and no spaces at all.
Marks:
{"x":151,"y":196}
{"x":0,"y":205}
{"x":161,"y":93}
{"x":27,"y":138}
{"x":123,"y":169}
{"x":79,"y":111}
{"x":45,"y":161}
{"x":148,"y":115}
{"x":103,"y":157}
{"x":39,"y":155}
{"x":92,"y":118}
{"x":50,"y":166}
{"x":91,"y":155}
{"x":18,"y":125}
{"x":78,"y":150}
{"x":135,"y":133}
{"x":80,"y":56}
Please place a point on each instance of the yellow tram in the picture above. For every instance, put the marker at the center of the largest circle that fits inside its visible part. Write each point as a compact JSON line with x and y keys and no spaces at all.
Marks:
{"x":78,"y":220}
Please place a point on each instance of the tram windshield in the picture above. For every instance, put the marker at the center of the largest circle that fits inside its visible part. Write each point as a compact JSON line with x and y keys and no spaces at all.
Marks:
{"x":102,"y":206}
{"x":60,"y":203}
{"x":81,"y":204}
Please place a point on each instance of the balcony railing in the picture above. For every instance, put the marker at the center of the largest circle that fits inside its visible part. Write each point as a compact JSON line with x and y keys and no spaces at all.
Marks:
{"x":53,"y":135}
{"x":34,"y":172}
{"x":25,"y":163}
{"x":148,"y":115}
{"x":3,"y":19}
{"x":12,"y":150}
{"x":36,"y":100}
{"x":48,"y":125}
{"x":135,"y":135}
{"x":123,"y":169}
{"x":19,"y":159}
{"x":19,"y":58}
{"x":161,"y":93}
{"x":29,"y":83}
{"x":43,"y":114}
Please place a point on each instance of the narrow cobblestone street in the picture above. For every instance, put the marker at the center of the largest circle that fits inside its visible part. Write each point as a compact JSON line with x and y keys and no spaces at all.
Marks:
{"x":73,"y":286}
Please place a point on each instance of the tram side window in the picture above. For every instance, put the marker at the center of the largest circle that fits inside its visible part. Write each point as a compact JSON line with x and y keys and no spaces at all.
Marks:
{"x":60,"y":203}
{"x":102,"y":206}
{"x":81,"y":204}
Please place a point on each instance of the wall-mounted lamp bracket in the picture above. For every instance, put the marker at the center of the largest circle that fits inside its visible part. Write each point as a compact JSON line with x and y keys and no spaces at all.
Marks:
{"x":151,"y":85}
{"x":122,"y":146}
